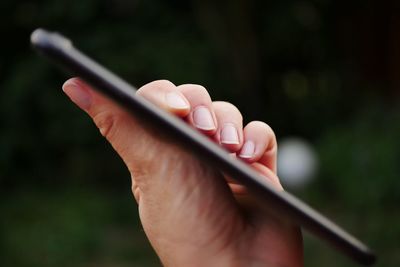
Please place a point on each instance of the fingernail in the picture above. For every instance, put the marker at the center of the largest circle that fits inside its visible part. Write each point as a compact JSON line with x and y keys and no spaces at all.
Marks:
{"x":248,"y":150}
{"x":79,"y":95}
{"x":229,"y":135}
{"x":175,"y":100}
{"x":203,"y":119}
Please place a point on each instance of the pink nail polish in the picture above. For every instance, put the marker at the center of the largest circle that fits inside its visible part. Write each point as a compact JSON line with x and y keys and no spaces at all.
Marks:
{"x":79,"y":95}
{"x":229,"y":135}
{"x":203,"y":119}
{"x":248,"y":150}
{"x":176,"y":101}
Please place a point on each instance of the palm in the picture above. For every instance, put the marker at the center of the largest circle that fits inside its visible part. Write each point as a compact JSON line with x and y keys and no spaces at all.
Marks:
{"x":213,"y":218}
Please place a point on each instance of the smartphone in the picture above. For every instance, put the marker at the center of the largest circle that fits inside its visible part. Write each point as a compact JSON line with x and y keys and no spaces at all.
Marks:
{"x":60,"y":50}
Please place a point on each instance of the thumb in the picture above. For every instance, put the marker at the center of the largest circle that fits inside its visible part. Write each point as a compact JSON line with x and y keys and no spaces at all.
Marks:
{"x":112,"y":121}
{"x":136,"y":145}
{"x":140,"y":149}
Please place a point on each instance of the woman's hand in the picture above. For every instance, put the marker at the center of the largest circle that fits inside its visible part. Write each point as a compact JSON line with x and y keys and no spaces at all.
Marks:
{"x":192,"y":215}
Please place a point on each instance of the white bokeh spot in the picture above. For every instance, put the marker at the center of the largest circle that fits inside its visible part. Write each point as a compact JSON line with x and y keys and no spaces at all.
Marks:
{"x":297,"y":162}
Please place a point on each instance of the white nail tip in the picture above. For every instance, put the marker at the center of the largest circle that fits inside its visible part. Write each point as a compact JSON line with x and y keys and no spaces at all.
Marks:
{"x":229,"y":135}
{"x":248,"y":150}
{"x":203,"y":119}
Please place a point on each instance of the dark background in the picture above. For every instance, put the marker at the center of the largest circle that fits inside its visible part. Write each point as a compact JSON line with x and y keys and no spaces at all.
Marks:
{"x":323,"y":70}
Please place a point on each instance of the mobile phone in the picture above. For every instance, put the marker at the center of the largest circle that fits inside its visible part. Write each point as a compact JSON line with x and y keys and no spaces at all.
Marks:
{"x":61,"y":51}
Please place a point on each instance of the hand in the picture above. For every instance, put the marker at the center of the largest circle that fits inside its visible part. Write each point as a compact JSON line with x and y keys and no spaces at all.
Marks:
{"x":192,"y":215}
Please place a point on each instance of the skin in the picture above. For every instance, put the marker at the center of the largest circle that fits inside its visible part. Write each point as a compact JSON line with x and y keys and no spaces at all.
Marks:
{"x":190,"y":212}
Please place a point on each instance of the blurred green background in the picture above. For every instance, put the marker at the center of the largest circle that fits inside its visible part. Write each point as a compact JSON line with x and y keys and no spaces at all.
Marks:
{"x":323,"y":70}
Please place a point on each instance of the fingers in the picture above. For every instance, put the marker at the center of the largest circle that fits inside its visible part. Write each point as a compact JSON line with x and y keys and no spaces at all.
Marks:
{"x":256,"y":143}
{"x":220,"y":120}
{"x":230,"y":125}
{"x":202,"y":115}
{"x":166,"y":95}
{"x":259,"y":145}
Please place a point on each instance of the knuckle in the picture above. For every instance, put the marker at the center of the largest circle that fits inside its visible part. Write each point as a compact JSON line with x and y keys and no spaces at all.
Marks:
{"x":155,"y":85}
{"x":264,"y":127}
{"x":162,"y":83}
{"x":135,"y":190}
{"x":200,"y":89}
{"x":134,"y":187}
{"x":227,"y":108}
{"x":196,"y":90}
{"x":106,"y":123}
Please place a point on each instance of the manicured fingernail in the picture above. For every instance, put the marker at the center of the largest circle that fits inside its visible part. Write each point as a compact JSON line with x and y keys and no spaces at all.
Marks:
{"x":248,"y":150}
{"x":176,"y":101}
{"x":203,"y":119}
{"x":229,"y":135}
{"x":79,"y":95}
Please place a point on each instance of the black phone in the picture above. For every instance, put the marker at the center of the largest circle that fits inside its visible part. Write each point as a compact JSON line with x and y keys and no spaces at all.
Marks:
{"x":61,"y":51}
